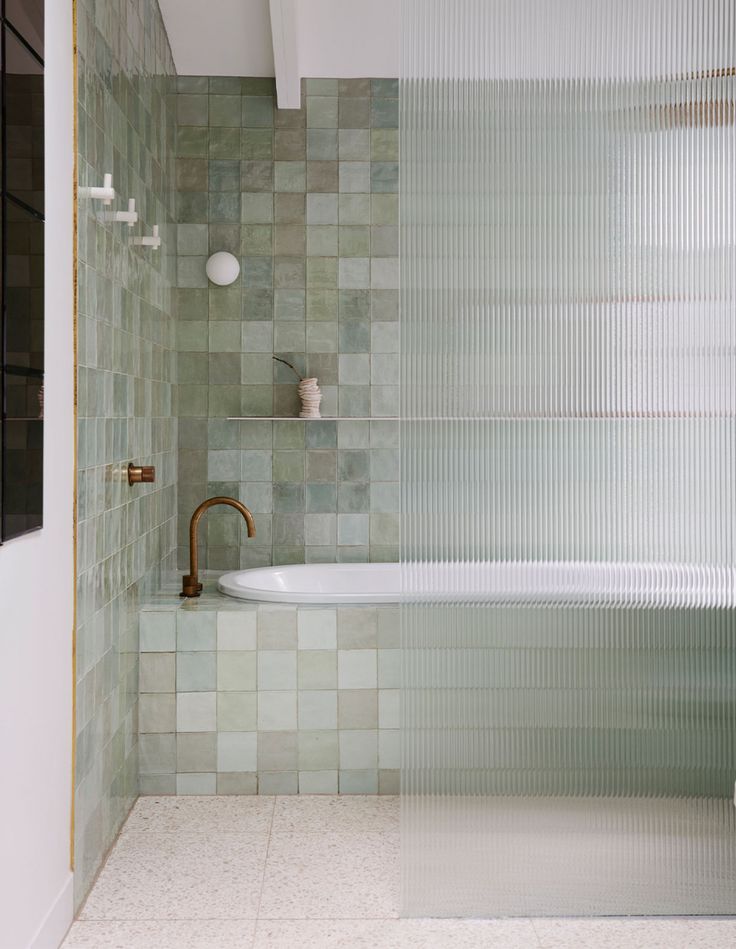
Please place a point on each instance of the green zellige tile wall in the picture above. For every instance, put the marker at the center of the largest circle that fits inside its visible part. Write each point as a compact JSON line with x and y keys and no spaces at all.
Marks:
{"x":308,"y":201}
{"x":126,"y":411}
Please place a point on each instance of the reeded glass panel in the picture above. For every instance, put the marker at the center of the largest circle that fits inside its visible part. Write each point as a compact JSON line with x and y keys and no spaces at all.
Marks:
{"x":568,"y":446}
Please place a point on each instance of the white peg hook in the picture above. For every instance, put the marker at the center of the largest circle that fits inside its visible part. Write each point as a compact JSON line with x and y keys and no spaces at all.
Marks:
{"x":153,"y":240}
{"x":106,"y":193}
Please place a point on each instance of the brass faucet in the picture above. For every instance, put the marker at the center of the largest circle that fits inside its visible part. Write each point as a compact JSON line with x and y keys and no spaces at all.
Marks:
{"x":191,"y":585}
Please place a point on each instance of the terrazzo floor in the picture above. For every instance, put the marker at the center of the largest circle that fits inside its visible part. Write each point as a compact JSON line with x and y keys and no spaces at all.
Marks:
{"x":293,"y":872}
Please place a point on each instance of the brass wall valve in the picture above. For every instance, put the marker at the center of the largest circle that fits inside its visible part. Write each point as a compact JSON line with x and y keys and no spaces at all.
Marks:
{"x":141,"y":474}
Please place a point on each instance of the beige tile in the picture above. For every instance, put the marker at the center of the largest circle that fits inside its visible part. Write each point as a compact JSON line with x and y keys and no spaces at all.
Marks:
{"x":331,"y":876}
{"x":180,"y":876}
{"x":395,"y":934}
{"x":157,"y":934}
{"x":685,"y":933}
{"x":200,"y":815}
{"x":333,"y":814}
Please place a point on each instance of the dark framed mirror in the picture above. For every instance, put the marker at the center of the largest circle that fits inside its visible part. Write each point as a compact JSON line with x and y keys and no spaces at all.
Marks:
{"x":21,"y":287}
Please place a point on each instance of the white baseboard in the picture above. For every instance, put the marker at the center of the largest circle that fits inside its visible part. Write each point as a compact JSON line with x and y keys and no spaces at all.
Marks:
{"x":57,"y":921}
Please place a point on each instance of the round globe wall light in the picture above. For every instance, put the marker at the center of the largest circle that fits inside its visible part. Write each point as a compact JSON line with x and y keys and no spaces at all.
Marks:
{"x":223,"y":268}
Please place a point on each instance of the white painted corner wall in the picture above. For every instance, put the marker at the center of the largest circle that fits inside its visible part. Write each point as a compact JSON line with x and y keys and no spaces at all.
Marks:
{"x":344,"y":39}
{"x":37,"y":583}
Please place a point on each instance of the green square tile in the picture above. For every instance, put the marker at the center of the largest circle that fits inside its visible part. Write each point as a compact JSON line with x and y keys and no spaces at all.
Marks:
{"x":353,"y":434}
{"x":192,"y":337}
{"x":384,"y":113}
{"x":283,"y":373}
{"x":385,"y":241}
{"x":224,"y":175}
{"x":258,"y":272}
{"x":256,"y":175}
{"x":192,"y":142}
{"x":257,"y":240}
{"x":256,"y":400}
{"x":289,"y":240}
{"x":224,"y":303}
{"x":256,"y":369}
{"x":224,"y":337}
{"x":289,"y":435}
{"x":321,"y":434}
{"x":354,"y":144}
{"x":258,"y":86}
{"x":354,"y":305}
{"x":192,"y":109}
{"x":321,"y":111}
{"x":224,"y":85}
{"x":289,"y":337}
{"x":354,"y":401}
{"x":191,"y":174}
{"x":224,"y":110}
{"x":384,"y":145}
{"x":322,"y":337}
{"x":192,"y":85}
{"x":322,"y":176}
{"x":289,"y":118}
{"x":290,"y":145}
{"x":257,"y":336}
{"x":224,"y":237}
{"x":257,"y":464}
{"x":258,"y":304}
{"x":354,"y":209}
{"x":192,"y":239}
{"x":321,"y":272}
{"x":384,"y":305}
{"x":224,"y":207}
{"x":354,"y":337}
{"x":324,"y":367}
{"x":289,"y":273}
{"x":321,"y":209}
{"x":322,"y":305}
{"x":289,"y":208}
{"x":192,"y":207}
{"x":321,"y":240}
{"x":354,"y":241}
{"x":322,"y":87}
{"x":289,"y":176}
{"x":257,"y":111}
{"x":289,"y":304}
{"x":354,"y":87}
{"x":321,"y":466}
{"x":224,"y":368}
{"x":384,"y":176}
{"x":193,"y":400}
{"x":257,"y":208}
{"x":257,"y":144}
{"x":225,"y":400}
{"x":224,"y":143}
{"x":354,"y":112}
{"x":322,"y":144}
{"x":385,"y":88}
{"x":321,"y":498}
{"x":191,"y":304}
{"x":192,"y":368}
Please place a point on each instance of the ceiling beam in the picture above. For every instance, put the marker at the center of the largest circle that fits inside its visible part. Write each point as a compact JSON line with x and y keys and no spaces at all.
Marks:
{"x":284,"y":33}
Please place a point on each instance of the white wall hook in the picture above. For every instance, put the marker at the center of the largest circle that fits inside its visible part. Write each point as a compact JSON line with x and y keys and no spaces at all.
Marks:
{"x":106,"y":193}
{"x":129,"y":217}
{"x":152,"y":240}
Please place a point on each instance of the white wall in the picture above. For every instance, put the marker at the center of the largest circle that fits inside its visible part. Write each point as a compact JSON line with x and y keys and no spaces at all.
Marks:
{"x":37,"y":581}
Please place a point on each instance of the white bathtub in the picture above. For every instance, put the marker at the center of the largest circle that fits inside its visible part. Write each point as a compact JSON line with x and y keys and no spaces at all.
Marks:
{"x":316,"y":583}
{"x":588,"y":584}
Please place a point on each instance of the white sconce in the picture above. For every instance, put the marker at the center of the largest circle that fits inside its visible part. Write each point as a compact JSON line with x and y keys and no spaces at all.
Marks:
{"x":129,"y":217}
{"x":106,"y":193}
{"x":152,"y":240}
{"x":223,"y":268}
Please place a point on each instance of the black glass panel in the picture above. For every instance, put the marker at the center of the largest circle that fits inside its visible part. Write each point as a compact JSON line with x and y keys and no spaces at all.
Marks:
{"x":23,"y":123}
{"x":26,"y":16}
{"x":22,"y":310}
{"x":22,"y":466}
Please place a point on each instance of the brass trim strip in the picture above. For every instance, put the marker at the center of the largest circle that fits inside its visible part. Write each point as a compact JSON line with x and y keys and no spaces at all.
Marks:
{"x":75,"y":337}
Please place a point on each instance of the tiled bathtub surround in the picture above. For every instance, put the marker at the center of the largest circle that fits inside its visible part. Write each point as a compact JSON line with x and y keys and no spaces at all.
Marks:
{"x":126,"y":358}
{"x":240,"y":698}
{"x":308,"y":200}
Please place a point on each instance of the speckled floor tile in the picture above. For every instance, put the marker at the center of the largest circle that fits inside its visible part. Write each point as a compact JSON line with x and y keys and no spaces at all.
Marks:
{"x":395,"y":934}
{"x":315,"y":814}
{"x":331,"y":876}
{"x":201,"y":815}
{"x":156,"y":934}
{"x":636,"y":933}
{"x":188,"y":876}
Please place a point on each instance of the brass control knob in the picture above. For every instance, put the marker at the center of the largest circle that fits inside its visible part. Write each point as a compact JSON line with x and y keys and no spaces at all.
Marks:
{"x":141,"y":474}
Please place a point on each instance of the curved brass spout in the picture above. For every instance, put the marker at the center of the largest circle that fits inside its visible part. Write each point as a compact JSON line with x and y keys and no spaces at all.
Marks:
{"x":191,"y":585}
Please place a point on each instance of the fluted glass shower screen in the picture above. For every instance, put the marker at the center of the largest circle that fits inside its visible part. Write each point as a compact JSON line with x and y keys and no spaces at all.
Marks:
{"x":568,"y":331}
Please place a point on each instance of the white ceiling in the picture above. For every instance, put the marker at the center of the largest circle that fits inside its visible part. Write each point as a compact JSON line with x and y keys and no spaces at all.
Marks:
{"x":334,"y":38}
